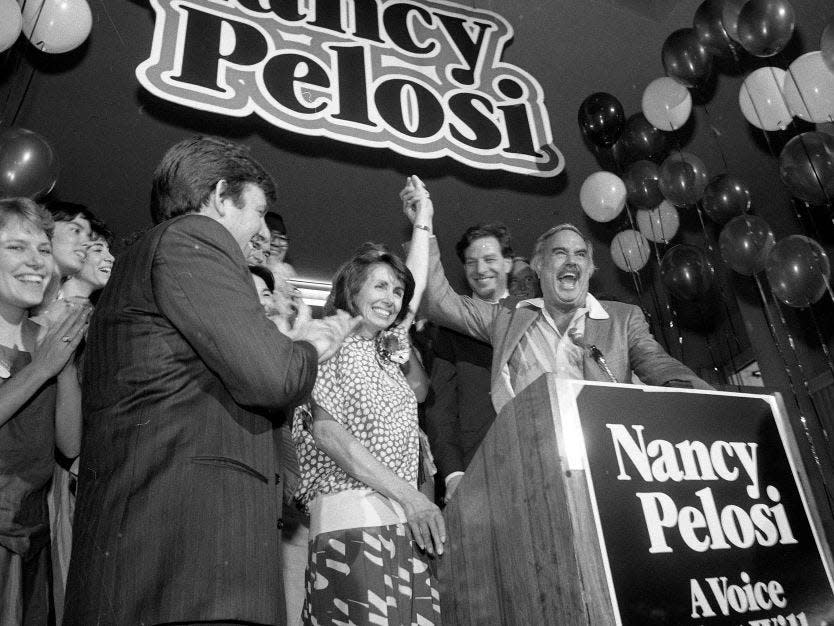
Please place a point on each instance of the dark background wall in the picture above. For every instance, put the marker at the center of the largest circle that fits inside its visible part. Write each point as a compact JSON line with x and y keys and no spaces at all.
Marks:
{"x":109,"y":133}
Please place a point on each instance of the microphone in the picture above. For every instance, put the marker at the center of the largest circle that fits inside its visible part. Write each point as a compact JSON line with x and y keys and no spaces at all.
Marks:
{"x":596,"y":354}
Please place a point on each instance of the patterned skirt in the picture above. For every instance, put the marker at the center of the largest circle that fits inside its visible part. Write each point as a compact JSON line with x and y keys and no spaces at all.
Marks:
{"x":369,"y":575}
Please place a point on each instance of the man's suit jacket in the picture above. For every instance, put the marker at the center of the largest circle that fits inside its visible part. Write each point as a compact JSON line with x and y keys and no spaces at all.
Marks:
{"x":624,"y":338}
{"x":177,"y":514}
{"x":458,"y":410}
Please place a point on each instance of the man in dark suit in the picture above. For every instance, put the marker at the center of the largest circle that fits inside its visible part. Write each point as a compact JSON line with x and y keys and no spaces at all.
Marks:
{"x":183,"y":381}
{"x":458,"y":410}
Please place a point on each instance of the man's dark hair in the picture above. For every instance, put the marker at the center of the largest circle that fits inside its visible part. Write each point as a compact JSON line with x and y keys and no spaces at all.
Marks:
{"x":499,"y":231}
{"x":190,"y":170}
{"x":352,"y":275}
{"x":264,"y":274}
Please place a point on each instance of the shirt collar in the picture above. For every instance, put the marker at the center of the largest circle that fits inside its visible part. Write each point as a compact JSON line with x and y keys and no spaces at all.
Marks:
{"x":595,"y":310}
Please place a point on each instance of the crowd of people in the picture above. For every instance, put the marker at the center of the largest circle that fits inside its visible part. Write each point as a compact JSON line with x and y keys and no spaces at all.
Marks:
{"x":181,"y":442}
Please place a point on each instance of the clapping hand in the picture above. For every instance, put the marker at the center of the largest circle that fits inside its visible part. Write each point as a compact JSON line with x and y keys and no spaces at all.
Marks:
{"x":57,"y":344}
{"x":326,"y":334}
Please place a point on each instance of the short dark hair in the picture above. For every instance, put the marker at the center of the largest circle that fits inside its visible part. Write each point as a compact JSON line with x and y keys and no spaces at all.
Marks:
{"x":28,"y":211}
{"x":264,"y":274}
{"x":351,"y":276}
{"x":63,"y":211}
{"x":190,"y":170}
{"x":479,"y":231}
{"x":274,"y":222}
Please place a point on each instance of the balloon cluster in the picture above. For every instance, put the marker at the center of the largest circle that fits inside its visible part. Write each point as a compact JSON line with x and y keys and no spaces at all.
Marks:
{"x":52,"y":26}
{"x":797,"y":267}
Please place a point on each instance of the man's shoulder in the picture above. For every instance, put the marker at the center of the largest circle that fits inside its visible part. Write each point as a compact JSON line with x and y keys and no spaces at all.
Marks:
{"x":616,"y":308}
{"x":200,"y":228}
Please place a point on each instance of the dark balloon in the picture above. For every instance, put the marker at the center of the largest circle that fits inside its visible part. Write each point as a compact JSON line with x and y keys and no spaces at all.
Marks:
{"x":28,"y":164}
{"x":601,"y":118}
{"x":641,"y":181}
{"x":765,"y":26}
{"x":686,"y":272}
{"x":798,"y":271}
{"x":641,"y":140}
{"x":709,"y":28}
{"x":683,"y":179}
{"x":806,"y":166}
{"x":725,"y":197}
{"x":745,"y":243}
{"x":685,"y":58}
{"x":730,"y":10}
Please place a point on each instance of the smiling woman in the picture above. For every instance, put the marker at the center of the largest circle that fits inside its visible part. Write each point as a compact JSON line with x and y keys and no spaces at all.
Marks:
{"x":39,"y":407}
{"x":358,"y":449}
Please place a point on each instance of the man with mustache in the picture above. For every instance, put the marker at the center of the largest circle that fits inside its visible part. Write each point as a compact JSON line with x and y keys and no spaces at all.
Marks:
{"x":567,"y":332}
{"x":458,"y":411}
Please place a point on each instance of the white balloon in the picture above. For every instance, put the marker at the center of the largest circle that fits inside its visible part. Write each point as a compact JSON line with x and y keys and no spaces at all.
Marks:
{"x":762,"y":100}
{"x":602,"y":196}
{"x":10,"y":23}
{"x":57,"y":26}
{"x":809,"y":88}
{"x":630,"y":250}
{"x":659,"y":224}
{"x":667,"y":104}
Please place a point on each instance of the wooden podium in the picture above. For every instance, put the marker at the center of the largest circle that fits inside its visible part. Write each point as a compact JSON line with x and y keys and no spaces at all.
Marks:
{"x":524,"y":546}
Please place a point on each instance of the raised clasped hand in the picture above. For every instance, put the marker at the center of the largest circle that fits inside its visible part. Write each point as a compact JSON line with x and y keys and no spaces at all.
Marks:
{"x":417,"y":204}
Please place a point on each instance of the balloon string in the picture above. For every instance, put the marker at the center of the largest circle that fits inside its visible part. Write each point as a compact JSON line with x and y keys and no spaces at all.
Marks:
{"x":803,"y":420}
{"x":715,"y":134}
{"x":823,"y":343}
{"x":31,"y":68}
{"x":669,"y":310}
{"x":703,"y":313}
{"x":801,"y":367}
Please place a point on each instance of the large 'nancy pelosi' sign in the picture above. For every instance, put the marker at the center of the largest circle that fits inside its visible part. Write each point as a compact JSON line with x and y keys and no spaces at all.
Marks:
{"x":424,"y":79}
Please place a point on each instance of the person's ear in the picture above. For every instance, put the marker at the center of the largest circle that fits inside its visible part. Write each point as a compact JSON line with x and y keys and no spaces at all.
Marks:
{"x":219,"y":197}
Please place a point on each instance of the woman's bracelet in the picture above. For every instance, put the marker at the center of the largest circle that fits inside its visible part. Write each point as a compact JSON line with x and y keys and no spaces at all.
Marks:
{"x":423,"y":227}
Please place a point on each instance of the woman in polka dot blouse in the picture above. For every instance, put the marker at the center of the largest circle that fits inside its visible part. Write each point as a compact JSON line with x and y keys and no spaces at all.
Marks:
{"x":371,"y":530}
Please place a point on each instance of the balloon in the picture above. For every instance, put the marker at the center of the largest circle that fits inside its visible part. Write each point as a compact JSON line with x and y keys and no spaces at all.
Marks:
{"x":765,"y":26}
{"x":28,"y":164}
{"x":685,"y":58}
{"x":745,"y":241}
{"x":683,"y":178}
{"x":602,"y":196}
{"x":809,"y":88}
{"x":806,"y":166}
{"x":729,"y":16}
{"x":827,"y":44}
{"x":630,"y":250}
{"x":601,"y":118}
{"x":762,"y":100}
{"x":710,"y":29}
{"x":659,"y":224}
{"x":641,"y":181}
{"x":57,"y":26}
{"x":641,"y":140}
{"x":798,"y":270}
{"x":666,"y":103}
{"x":725,"y":197}
{"x":686,"y":272}
{"x":10,"y":23}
